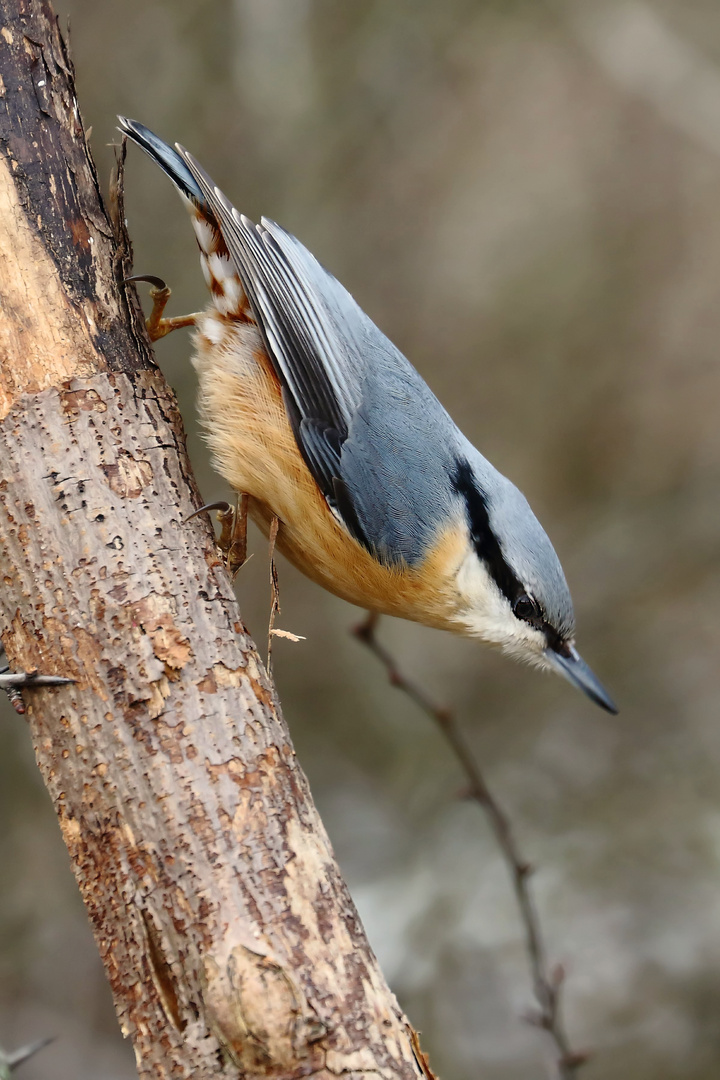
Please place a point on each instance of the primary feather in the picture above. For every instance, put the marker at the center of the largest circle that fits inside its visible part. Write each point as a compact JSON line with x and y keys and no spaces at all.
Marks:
{"x":365,"y":421}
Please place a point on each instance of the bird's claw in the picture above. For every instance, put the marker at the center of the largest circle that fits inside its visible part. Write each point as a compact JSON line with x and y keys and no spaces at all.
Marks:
{"x":160,"y":292}
{"x":222,"y":507}
{"x":157,"y":282}
{"x":233,"y":531}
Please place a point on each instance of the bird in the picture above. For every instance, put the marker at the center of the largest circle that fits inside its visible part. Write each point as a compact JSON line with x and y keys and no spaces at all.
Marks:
{"x":338,"y":445}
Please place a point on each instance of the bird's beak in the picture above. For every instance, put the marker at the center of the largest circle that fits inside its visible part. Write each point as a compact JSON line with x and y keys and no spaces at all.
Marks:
{"x":576,"y":671}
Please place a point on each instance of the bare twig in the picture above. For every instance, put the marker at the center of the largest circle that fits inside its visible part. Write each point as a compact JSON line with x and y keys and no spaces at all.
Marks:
{"x":275,"y":605}
{"x":547,"y":983}
{"x":10,"y":1061}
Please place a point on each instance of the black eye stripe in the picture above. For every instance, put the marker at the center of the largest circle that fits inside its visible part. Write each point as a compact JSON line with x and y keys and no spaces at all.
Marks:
{"x":529,"y":611}
{"x":489,"y":551}
{"x":483,"y":538}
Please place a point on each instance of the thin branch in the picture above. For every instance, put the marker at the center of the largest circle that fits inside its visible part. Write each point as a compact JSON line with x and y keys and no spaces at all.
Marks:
{"x":275,"y":587}
{"x":10,"y":1061}
{"x":547,"y":984}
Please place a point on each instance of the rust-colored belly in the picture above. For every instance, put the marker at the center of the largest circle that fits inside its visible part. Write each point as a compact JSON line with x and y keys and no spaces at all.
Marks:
{"x":254,"y":448}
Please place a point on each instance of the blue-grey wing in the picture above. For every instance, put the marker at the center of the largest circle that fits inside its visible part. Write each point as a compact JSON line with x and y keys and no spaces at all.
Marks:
{"x":376,"y":440}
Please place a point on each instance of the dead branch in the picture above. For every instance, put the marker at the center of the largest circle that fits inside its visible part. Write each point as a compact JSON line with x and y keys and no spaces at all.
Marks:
{"x":547,"y":984}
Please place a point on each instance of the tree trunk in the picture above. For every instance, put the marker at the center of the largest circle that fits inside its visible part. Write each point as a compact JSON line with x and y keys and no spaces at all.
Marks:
{"x":228,"y":936}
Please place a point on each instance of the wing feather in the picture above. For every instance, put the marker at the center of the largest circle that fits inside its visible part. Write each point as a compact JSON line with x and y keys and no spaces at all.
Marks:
{"x":289,"y":309}
{"x":319,"y":363}
{"x":375,"y":439}
{"x":364,"y":420}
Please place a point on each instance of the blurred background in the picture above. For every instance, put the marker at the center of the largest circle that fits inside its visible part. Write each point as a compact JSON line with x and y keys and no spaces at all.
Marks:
{"x":525,"y":196}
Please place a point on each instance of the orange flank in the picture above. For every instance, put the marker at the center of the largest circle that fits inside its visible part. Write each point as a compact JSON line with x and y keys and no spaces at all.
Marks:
{"x":254,"y":449}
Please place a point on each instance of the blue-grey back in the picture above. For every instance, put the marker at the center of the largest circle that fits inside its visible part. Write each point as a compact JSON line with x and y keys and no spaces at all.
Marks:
{"x":399,"y":454}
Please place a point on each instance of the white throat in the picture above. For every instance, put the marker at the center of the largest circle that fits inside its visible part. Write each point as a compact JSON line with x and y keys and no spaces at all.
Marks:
{"x":484,"y":612}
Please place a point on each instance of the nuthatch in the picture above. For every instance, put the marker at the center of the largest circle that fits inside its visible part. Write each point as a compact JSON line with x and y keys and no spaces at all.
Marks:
{"x":322,"y":423}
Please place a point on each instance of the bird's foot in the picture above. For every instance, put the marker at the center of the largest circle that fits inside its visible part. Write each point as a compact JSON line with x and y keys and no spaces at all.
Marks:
{"x":156,"y":326}
{"x":233,"y":531}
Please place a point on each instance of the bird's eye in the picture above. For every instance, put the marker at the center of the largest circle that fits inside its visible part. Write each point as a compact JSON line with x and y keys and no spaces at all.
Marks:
{"x":524,"y":608}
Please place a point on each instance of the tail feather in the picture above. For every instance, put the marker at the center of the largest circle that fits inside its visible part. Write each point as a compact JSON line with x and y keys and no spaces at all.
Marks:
{"x":221,"y":275}
{"x":167,"y":158}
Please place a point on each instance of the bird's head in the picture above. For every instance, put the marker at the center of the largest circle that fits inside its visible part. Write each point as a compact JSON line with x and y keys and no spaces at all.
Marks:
{"x":511,"y":586}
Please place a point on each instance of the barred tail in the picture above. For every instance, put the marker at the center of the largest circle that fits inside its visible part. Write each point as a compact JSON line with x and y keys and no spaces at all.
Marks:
{"x":219,"y":270}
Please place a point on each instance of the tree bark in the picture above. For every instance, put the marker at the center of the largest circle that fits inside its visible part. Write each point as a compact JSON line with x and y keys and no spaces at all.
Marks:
{"x":228,"y":936}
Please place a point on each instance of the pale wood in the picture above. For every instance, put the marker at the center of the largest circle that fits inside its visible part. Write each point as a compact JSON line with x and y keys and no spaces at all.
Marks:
{"x":228,"y":936}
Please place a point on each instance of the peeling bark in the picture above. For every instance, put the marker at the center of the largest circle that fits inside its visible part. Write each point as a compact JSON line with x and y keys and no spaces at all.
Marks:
{"x":228,"y":936}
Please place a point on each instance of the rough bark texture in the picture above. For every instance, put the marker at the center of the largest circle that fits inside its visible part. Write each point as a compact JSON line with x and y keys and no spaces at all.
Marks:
{"x":229,"y":939}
